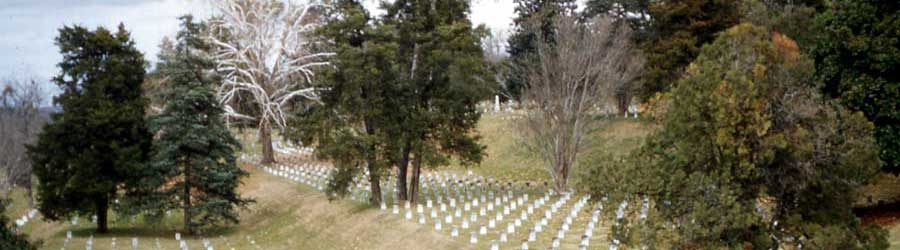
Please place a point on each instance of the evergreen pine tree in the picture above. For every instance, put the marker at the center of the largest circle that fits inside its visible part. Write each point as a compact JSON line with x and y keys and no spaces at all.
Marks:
{"x":193,"y":165}
{"x":98,"y":142}
{"x":676,"y":32}
{"x":349,"y":127}
{"x":444,"y":76}
{"x":531,"y":15}
{"x":858,"y":60}
{"x":635,"y":12}
{"x":750,"y":156}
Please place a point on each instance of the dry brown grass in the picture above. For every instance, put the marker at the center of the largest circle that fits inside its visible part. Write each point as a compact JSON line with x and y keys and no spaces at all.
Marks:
{"x":286,"y":216}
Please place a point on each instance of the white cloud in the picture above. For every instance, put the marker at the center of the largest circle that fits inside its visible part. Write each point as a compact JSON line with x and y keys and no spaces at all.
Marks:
{"x":28,"y":27}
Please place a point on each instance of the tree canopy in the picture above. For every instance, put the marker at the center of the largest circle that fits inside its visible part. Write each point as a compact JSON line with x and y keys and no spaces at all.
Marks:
{"x":676,"y":31}
{"x":858,"y":61}
{"x":193,"y":165}
{"x":750,"y":154}
{"x":533,"y":22}
{"x":99,"y":141}
{"x":403,"y":90}
{"x":444,"y":77}
{"x":351,"y":125}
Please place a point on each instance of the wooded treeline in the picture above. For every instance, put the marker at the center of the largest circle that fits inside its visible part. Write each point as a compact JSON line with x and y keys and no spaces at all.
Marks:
{"x":771,"y":113}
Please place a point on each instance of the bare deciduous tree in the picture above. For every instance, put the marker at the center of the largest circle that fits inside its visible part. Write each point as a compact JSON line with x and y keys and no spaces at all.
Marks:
{"x":20,"y":122}
{"x":573,"y":76}
{"x":266,"y":52}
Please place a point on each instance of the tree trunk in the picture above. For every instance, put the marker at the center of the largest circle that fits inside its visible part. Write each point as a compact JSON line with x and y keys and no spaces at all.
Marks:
{"x":102,"y":206}
{"x":375,"y":184}
{"x":401,"y":173}
{"x":374,"y":175}
{"x":187,"y":199}
{"x":414,"y":183}
{"x":622,"y":101}
{"x":265,"y":141}
{"x":30,"y":196}
{"x":562,"y":176}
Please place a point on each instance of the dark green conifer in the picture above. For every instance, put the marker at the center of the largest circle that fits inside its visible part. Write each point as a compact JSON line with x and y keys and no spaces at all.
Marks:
{"x":98,"y":143}
{"x":193,"y":166}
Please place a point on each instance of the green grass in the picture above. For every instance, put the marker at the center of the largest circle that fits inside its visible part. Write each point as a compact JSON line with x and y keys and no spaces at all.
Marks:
{"x":286,"y":216}
{"x":505,"y":158}
{"x":292,"y":216}
{"x":508,"y":159}
{"x":894,"y":236}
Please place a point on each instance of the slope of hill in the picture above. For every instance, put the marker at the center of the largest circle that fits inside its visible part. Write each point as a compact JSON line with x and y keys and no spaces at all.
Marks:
{"x":286,"y":216}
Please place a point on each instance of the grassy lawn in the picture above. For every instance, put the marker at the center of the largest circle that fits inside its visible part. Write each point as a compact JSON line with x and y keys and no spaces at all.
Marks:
{"x":286,"y":216}
{"x":292,"y":216}
{"x":894,"y":236}
{"x":508,"y":159}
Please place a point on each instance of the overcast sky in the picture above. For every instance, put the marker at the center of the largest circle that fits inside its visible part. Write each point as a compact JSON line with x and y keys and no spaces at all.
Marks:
{"x":27,"y":27}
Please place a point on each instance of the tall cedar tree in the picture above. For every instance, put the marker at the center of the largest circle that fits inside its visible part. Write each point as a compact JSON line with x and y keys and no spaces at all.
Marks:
{"x":444,"y":77}
{"x":9,"y":238}
{"x":531,"y":16}
{"x":98,"y":142}
{"x":635,"y":12}
{"x":744,"y":120}
{"x":349,"y":128}
{"x":674,"y":35}
{"x":193,"y":166}
{"x":858,"y":59}
{"x":794,"y":18}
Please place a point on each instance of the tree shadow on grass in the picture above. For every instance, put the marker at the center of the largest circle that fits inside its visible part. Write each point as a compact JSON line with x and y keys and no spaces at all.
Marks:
{"x":149,"y":231}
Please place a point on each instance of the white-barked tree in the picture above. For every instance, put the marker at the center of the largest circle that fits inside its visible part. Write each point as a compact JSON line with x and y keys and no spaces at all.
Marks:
{"x":267,"y":56}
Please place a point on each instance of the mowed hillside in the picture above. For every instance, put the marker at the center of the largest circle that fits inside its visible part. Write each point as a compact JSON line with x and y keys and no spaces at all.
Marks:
{"x":288,"y":215}
{"x":285,"y":216}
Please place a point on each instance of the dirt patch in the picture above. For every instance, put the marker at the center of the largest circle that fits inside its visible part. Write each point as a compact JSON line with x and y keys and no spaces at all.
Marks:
{"x":884,"y":215}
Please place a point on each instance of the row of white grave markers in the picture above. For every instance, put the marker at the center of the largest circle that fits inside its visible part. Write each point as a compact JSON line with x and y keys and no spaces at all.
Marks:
{"x":466,"y":188}
{"x":455,"y":204}
{"x":183,"y":243}
{"x":28,"y":216}
{"x":289,"y":149}
{"x":620,"y":214}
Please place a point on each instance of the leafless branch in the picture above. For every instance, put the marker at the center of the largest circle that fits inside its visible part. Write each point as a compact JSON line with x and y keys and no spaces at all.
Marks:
{"x":573,"y":75}
{"x":21,"y":120}
{"x":268,"y":53}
